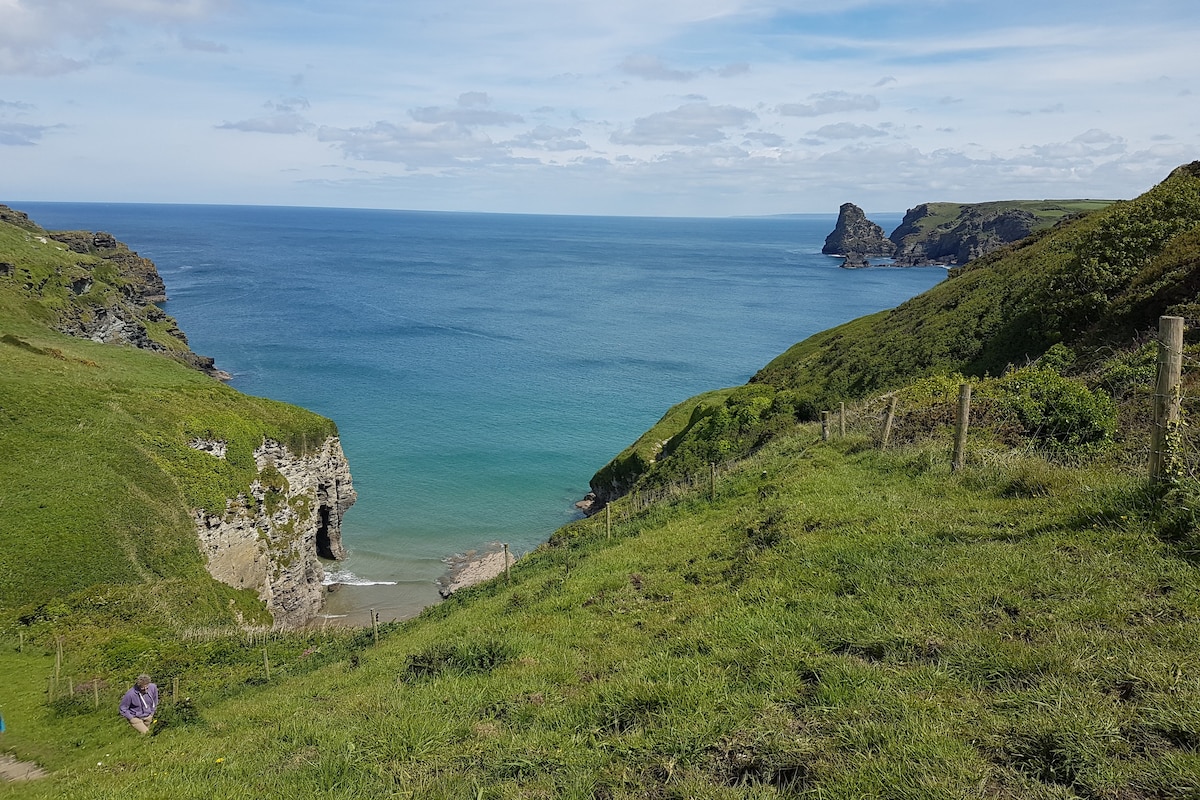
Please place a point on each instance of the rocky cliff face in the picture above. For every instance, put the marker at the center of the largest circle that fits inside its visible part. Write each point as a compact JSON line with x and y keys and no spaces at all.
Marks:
{"x":110,"y":294}
{"x":857,"y":238}
{"x":974,"y":232}
{"x":272,"y":540}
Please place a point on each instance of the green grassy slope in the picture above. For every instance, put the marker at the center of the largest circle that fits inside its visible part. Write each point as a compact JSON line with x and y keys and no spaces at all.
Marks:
{"x":1092,"y":288}
{"x":98,"y":478}
{"x":1048,"y":212}
{"x":823,"y":620}
{"x":1070,"y":284}
{"x":837,"y":622}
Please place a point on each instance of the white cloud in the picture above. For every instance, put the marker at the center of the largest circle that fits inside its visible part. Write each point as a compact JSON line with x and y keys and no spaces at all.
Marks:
{"x":22,"y":135}
{"x":285,"y":118}
{"x":34,"y":34}
{"x":288,"y":123}
{"x":548,"y":137}
{"x":202,"y":45}
{"x":653,"y":69}
{"x":764,"y":139}
{"x":1084,"y":148}
{"x":417,"y":146}
{"x":690,"y":124}
{"x":472,"y":109}
{"x":830,"y":103}
{"x":848,"y":130}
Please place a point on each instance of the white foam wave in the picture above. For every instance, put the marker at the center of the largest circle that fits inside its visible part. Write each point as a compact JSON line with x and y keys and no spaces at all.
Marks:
{"x":350,"y":579}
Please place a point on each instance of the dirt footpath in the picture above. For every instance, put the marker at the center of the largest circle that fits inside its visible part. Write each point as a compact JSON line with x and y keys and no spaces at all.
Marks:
{"x":13,"y":770}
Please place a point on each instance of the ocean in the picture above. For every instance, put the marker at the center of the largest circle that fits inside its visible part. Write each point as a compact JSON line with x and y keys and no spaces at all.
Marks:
{"x":481,"y":367}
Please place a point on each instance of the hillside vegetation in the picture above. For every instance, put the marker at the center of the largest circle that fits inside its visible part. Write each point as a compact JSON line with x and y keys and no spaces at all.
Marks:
{"x":759,"y":612}
{"x":1091,"y":288}
{"x":1048,"y":212}
{"x":834,"y":621}
{"x":98,"y":479}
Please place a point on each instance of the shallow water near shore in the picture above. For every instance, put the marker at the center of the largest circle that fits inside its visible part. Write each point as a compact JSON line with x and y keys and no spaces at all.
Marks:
{"x":481,"y":367}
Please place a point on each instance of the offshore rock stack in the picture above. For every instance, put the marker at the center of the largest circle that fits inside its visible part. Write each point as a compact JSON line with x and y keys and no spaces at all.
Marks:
{"x":857,"y":239}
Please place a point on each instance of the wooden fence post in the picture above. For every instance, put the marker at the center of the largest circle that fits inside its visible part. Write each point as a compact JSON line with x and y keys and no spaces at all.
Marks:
{"x":842,"y":420}
{"x":887,"y":422}
{"x":507,"y":573}
{"x":824,"y":426}
{"x":607,"y":521}
{"x":1166,"y":397}
{"x":961,"y":424}
{"x":712,"y":481}
{"x":375,"y":626}
{"x":266,"y":664}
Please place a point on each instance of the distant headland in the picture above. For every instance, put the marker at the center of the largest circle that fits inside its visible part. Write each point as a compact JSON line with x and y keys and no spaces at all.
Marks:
{"x":947,"y":234}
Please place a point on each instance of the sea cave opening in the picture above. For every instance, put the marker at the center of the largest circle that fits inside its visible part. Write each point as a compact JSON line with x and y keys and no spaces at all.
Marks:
{"x":324,"y":547}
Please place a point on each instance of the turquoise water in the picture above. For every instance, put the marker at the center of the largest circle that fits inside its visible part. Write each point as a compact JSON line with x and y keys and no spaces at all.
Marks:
{"x":481,"y":367}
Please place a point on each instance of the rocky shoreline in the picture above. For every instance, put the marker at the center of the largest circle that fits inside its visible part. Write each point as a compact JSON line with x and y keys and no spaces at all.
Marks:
{"x":943,"y":234}
{"x":472,"y":567}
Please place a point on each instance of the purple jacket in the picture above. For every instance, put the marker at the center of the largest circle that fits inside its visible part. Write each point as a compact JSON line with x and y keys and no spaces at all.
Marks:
{"x":139,"y":704}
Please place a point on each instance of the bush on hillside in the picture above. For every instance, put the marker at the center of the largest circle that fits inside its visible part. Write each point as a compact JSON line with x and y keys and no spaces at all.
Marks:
{"x":1109,"y":256}
{"x":461,"y":657}
{"x":1057,"y":413}
{"x":750,"y":416}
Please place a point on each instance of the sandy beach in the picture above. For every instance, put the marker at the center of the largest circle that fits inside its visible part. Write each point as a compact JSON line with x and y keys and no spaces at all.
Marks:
{"x":351,"y":605}
{"x":475,"y":568}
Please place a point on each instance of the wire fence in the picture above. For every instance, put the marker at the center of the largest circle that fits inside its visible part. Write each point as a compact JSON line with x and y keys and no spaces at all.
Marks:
{"x":1000,"y":432}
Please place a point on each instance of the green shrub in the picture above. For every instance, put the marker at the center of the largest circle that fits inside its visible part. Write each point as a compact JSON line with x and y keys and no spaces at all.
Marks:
{"x":71,"y":705}
{"x":177,"y":714}
{"x":1110,"y":255}
{"x":1130,"y":371}
{"x":1058,"y":413}
{"x":1059,"y":358}
{"x":461,"y":657}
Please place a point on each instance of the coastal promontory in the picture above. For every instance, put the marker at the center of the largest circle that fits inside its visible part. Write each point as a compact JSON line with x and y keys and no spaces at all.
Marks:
{"x":128,"y":470}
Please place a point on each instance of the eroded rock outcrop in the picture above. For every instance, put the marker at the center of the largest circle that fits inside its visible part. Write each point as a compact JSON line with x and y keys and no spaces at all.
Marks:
{"x":857,"y":238}
{"x":971,"y":233}
{"x":273,"y":539}
{"x":109,"y":295}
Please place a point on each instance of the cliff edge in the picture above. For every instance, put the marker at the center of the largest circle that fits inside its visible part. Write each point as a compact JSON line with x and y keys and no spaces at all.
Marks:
{"x":105,"y":292}
{"x":925,"y":237}
{"x":271,"y":538}
{"x":130,"y":468}
{"x":948,"y":234}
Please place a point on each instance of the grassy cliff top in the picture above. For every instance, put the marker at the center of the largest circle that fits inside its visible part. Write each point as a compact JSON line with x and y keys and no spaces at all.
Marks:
{"x":832,"y":621}
{"x":1102,"y":277}
{"x":1048,"y":212}
{"x":99,"y":479}
{"x":807,"y":619}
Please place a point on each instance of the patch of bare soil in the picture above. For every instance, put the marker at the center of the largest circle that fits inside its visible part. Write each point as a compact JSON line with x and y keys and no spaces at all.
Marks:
{"x":13,"y":770}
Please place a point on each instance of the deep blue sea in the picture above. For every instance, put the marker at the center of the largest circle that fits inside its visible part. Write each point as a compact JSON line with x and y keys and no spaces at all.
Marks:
{"x":481,"y":367}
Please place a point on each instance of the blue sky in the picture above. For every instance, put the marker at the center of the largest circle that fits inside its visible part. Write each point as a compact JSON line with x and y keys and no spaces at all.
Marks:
{"x":644,"y":107}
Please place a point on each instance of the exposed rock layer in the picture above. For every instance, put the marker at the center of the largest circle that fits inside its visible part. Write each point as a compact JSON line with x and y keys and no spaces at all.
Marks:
{"x":856,"y":237}
{"x":113,"y":306}
{"x":974,"y":232}
{"x":272,"y":540}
